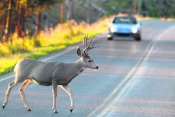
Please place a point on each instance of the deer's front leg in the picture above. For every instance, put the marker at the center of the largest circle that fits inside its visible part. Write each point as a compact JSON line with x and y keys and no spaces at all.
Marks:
{"x":66,"y":88}
{"x":54,"y":91}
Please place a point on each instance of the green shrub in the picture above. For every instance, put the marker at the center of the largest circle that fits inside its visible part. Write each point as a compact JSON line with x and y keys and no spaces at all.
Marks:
{"x":16,"y":48}
{"x":37,"y":43}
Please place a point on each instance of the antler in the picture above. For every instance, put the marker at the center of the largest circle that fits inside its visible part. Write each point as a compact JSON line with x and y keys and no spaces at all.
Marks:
{"x":90,"y":45}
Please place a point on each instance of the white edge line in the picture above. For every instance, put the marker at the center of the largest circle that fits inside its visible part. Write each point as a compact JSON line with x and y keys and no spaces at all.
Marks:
{"x":107,"y":109}
{"x":6,"y":78}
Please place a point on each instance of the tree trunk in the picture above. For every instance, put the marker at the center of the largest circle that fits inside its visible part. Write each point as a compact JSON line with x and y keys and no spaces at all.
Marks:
{"x":88,"y":20}
{"x":39,"y":23}
{"x":20,"y":24}
{"x":7,"y":26}
{"x":134,"y":9}
{"x":62,"y":13}
{"x":69,"y":9}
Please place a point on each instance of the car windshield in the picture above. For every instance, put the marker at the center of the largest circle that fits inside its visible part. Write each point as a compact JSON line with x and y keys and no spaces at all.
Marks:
{"x":125,"y":20}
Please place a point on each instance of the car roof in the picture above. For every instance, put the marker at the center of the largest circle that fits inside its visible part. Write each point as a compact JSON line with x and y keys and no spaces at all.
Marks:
{"x":125,"y":17}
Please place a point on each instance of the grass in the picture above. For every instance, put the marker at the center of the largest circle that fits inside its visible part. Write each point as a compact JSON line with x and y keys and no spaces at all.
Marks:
{"x":7,"y":63}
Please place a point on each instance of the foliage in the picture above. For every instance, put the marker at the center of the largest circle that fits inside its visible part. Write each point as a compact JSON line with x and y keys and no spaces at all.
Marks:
{"x":49,"y":41}
{"x":153,"y":8}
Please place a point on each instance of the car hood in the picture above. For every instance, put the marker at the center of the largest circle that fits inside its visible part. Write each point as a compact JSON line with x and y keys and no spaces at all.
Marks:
{"x":123,"y":27}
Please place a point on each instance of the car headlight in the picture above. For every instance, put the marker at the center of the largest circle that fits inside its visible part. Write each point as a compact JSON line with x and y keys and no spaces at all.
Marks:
{"x":112,"y":29}
{"x":134,"y":30}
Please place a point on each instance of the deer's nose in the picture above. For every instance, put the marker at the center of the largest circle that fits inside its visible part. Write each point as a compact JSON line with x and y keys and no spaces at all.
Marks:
{"x":96,"y":67}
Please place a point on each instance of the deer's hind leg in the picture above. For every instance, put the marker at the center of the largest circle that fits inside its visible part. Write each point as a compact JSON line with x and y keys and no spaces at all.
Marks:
{"x":24,"y":86}
{"x":69,"y":92}
{"x":10,"y":86}
{"x":54,"y":91}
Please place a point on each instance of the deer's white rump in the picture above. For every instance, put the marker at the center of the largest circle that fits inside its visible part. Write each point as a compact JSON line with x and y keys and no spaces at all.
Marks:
{"x":28,"y":71}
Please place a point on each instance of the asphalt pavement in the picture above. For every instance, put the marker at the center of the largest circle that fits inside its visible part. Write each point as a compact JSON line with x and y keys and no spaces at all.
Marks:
{"x":134,"y":79}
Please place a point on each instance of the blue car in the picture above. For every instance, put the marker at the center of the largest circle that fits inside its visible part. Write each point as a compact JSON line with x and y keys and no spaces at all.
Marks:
{"x":124,"y":26}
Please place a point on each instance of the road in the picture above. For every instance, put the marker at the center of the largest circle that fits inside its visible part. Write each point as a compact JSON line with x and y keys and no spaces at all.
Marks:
{"x":134,"y":79}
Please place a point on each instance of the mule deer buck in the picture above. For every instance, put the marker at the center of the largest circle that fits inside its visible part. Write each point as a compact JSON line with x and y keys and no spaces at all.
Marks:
{"x":51,"y":73}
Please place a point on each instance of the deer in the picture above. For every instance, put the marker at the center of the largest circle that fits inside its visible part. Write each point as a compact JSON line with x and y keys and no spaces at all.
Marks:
{"x":47,"y":73}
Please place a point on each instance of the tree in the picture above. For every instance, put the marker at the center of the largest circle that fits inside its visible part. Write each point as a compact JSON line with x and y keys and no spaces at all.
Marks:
{"x":7,"y":26}
{"x":21,"y":7}
{"x":39,"y":6}
{"x":69,"y":9}
{"x":88,"y":11}
{"x":2,"y":18}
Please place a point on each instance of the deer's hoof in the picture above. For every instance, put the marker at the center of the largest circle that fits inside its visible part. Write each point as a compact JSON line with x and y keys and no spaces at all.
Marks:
{"x":71,"y":110}
{"x":28,"y":109}
{"x":3,"y":106}
{"x":55,"y":111}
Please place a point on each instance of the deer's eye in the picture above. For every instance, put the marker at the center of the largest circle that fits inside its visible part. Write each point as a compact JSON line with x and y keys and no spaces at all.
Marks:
{"x":89,"y":61}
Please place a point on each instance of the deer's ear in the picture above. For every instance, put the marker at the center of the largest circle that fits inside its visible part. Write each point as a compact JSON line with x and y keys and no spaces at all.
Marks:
{"x":79,"y":53}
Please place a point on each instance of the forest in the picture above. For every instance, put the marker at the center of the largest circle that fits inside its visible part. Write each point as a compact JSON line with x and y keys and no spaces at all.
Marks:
{"x":28,"y":17}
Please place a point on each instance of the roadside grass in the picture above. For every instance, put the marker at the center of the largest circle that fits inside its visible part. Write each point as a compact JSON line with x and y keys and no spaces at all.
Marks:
{"x":7,"y":63}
